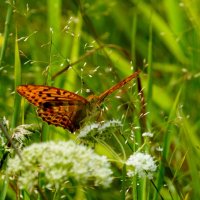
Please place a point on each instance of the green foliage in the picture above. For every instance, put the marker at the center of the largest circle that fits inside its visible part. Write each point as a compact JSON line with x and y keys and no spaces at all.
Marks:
{"x":87,"y":47}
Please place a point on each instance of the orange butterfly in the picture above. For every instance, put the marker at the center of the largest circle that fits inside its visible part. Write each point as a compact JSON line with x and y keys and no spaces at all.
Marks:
{"x":61,"y":107}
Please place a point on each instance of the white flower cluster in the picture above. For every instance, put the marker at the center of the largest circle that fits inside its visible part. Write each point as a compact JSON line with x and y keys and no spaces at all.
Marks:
{"x":24,"y":129}
{"x":147,"y":134}
{"x":5,"y":125}
{"x":98,"y":128}
{"x":58,"y":163}
{"x":22,"y":132}
{"x":5,"y":122}
{"x":141,"y":164}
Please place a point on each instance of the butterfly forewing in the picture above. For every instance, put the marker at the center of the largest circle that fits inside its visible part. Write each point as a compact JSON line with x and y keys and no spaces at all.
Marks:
{"x":56,"y":106}
{"x":39,"y":94}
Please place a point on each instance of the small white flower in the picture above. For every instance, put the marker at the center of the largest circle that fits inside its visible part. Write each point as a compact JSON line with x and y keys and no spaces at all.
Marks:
{"x":24,"y":129}
{"x":21,"y":134}
{"x":110,"y":123}
{"x":3,"y":141}
{"x":98,"y":128}
{"x":159,"y":149}
{"x":141,"y":164}
{"x":51,"y":30}
{"x":83,"y":133}
{"x":56,"y":164}
{"x":5,"y":122}
{"x":147,"y":134}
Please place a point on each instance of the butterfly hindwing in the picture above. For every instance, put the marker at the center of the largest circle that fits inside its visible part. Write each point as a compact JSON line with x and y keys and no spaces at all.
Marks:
{"x":66,"y":116}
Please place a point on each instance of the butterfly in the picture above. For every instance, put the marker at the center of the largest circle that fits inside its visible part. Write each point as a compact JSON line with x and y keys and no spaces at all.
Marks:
{"x":63,"y":108}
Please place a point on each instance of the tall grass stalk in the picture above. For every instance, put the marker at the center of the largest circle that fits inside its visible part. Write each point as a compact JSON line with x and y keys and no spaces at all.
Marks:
{"x":17,"y":100}
{"x":166,"y":145}
{"x":6,"y":31}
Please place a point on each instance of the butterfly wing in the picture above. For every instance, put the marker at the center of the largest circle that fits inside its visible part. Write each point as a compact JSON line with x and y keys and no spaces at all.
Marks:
{"x":56,"y":106}
{"x":39,"y":94}
{"x":68,"y":117}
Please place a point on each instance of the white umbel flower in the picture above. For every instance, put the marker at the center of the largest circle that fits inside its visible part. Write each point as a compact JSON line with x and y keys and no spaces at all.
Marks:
{"x":58,"y":163}
{"x":141,"y":164}
{"x":98,"y":129}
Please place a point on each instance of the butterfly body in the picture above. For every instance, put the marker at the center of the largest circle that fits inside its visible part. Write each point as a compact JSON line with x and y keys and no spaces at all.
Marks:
{"x":63,"y":108}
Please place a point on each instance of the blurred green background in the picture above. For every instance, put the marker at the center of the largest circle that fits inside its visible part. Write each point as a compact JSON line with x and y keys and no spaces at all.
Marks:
{"x":104,"y":41}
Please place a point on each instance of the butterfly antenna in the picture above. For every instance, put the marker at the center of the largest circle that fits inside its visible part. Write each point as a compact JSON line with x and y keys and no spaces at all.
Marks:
{"x":117,"y":86}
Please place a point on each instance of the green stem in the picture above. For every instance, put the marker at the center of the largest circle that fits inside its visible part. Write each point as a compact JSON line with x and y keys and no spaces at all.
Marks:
{"x":6,"y":32}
